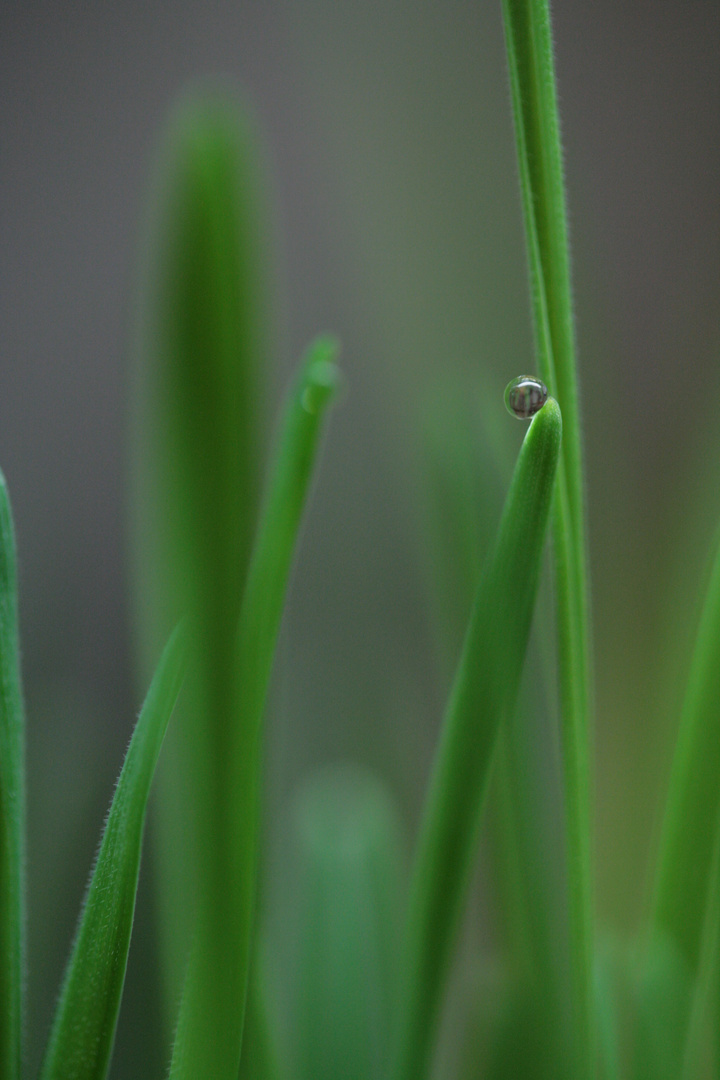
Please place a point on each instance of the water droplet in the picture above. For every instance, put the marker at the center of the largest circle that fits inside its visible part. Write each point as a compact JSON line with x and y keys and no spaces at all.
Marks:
{"x":525,"y":396}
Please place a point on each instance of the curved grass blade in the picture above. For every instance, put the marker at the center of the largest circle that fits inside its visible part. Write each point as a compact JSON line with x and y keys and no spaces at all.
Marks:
{"x":532,"y":80}
{"x":347,"y":908}
{"x":83,"y":1030}
{"x":12,"y":805}
{"x":484,"y":691}
{"x":197,"y":469}
{"x":209,"y":1035}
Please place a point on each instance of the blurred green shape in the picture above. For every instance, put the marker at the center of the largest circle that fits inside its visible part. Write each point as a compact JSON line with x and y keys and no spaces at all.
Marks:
{"x":687,"y":897}
{"x":692,"y":813}
{"x":460,"y":501}
{"x":537,"y":130}
{"x":12,"y":805}
{"x":83,"y":1031}
{"x":260,"y":1059}
{"x":702,"y":1042}
{"x":228,"y":763}
{"x":663,"y":993}
{"x":483,"y":694}
{"x":198,"y":462}
{"x":347,"y":907}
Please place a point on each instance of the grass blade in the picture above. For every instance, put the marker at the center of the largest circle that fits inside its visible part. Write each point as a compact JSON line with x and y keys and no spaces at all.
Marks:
{"x":484,"y":691}
{"x":197,"y":453}
{"x":12,"y":805}
{"x":83,"y":1030}
{"x":686,"y":908}
{"x":209,"y":1035}
{"x":705,"y":1007}
{"x":537,"y":130}
{"x":348,"y":907}
{"x":261,"y":1058}
{"x":693,"y":805}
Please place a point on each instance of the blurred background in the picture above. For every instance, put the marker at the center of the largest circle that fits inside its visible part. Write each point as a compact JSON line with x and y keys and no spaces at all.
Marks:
{"x":398,"y":226}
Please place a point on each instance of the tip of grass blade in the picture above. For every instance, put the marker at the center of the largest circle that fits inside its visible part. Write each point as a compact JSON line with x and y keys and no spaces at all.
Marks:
{"x":320,"y":376}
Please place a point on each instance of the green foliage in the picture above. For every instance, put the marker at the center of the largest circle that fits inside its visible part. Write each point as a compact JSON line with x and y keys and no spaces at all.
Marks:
{"x":83,"y":1031}
{"x":483,"y":693}
{"x":537,"y":130}
{"x":347,"y":898}
{"x":365,"y":989}
{"x":201,"y":351}
{"x":209,"y":1036}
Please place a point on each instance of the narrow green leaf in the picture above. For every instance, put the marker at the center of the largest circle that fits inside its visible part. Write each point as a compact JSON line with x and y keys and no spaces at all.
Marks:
{"x":83,"y":1030}
{"x":347,"y":908}
{"x":209,"y":1035}
{"x":12,"y":806}
{"x":202,"y":355}
{"x":663,"y":992}
{"x":692,"y":812}
{"x":686,"y":909}
{"x":261,"y":1058}
{"x":537,"y":130}
{"x":703,"y":1030}
{"x":484,"y":691}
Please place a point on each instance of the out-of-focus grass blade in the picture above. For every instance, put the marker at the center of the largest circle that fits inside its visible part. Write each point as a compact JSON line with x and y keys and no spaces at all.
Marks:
{"x":484,"y":691}
{"x":461,"y":498}
{"x":348,"y":908}
{"x":703,"y":1033}
{"x":608,"y":1007}
{"x":83,"y":1030}
{"x":662,"y":995}
{"x":537,"y":129}
{"x":693,"y":807}
{"x":198,"y":461}
{"x":209,"y":1035}
{"x":12,"y":805}
{"x":260,"y":1059}
{"x":687,"y":898}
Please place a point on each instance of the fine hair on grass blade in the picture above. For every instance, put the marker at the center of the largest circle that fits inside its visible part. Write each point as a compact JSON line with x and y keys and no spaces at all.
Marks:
{"x":83,"y":1031}
{"x":532,"y":81}
{"x":12,"y":805}
{"x":209,"y":1034}
{"x":484,"y":691}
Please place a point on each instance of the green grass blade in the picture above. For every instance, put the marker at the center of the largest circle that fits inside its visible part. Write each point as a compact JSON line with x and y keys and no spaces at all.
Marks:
{"x":12,"y":806}
{"x":532,"y":80}
{"x":261,"y":1058}
{"x":198,"y":462}
{"x":693,"y":806}
{"x":686,"y":908}
{"x":83,"y":1030}
{"x":347,"y":906}
{"x":484,"y":691}
{"x":209,"y":1035}
{"x":704,"y":1016}
{"x":537,"y":129}
{"x":462,"y":491}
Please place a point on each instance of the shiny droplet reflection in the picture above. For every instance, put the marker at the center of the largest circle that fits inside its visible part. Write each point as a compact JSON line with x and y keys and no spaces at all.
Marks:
{"x":525,"y":396}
